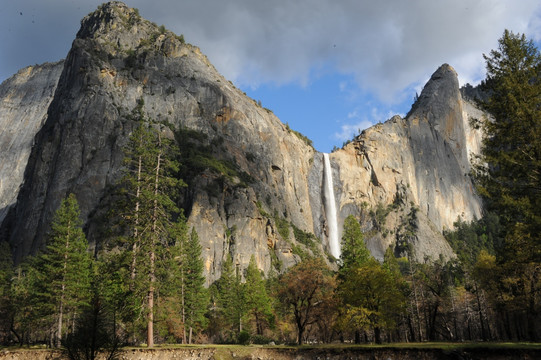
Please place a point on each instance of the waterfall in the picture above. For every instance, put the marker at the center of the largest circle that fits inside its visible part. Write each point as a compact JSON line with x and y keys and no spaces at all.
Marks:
{"x":330,"y":209}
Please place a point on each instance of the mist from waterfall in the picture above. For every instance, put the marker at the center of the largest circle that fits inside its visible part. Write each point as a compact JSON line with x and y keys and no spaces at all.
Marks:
{"x":330,"y":208}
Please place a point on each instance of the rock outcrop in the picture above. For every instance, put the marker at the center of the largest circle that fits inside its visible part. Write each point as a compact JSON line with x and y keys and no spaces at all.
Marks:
{"x":24,"y":99}
{"x":418,"y":165}
{"x":260,"y":191}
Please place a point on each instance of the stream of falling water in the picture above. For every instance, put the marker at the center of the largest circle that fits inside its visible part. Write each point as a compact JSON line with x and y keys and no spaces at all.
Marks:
{"x":330,"y":209}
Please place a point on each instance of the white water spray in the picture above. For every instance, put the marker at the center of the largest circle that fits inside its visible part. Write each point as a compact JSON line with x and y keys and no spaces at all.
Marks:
{"x":330,"y":209}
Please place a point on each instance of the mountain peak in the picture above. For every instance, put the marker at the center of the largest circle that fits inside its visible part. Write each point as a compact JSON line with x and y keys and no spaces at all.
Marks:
{"x":439,"y":98}
{"x":444,"y":71}
{"x":115,"y":28}
{"x":108,"y":16}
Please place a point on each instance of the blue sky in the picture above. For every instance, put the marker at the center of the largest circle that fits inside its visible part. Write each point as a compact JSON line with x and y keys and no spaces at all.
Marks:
{"x":329,"y":110}
{"x":326,"y":67}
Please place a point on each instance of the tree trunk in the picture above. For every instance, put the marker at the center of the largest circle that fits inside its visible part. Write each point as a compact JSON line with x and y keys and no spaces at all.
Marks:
{"x":19,"y":337}
{"x":154,"y":235}
{"x":136,"y":229}
{"x":416,"y":303}
{"x":183,"y":305}
{"x":59,"y":324}
{"x":150,"y":317}
{"x":432,"y":322}
{"x":62,"y":292}
{"x":532,"y":308}
{"x":480,"y":313}
{"x":300,"y":326}
{"x":357,"y":337}
{"x":377,"y":334}
{"x":300,"y":333}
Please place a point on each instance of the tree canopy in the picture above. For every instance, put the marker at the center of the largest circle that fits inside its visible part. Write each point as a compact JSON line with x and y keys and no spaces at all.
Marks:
{"x":510,"y":178}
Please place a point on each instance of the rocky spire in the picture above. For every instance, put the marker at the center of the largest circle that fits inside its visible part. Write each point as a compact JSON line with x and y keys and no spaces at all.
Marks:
{"x":440,"y":103}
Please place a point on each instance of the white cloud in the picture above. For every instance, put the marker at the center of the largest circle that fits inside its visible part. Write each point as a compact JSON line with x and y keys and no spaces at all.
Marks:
{"x":348,"y":131}
{"x":387,"y":45}
{"x":358,"y":119}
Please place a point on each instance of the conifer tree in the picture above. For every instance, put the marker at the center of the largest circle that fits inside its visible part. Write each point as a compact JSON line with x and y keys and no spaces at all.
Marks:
{"x":258,"y":303}
{"x":28,"y":307}
{"x":64,"y":266}
{"x":186,"y":291}
{"x":511,"y":181}
{"x":231,"y":299}
{"x":150,"y":183}
{"x":510,"y":175}
{"x":6,"y":274}
{"x":196,"y":297}
{"x":354,"y":250}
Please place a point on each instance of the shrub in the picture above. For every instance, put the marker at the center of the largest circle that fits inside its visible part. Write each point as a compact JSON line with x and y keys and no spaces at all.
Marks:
{"x":244,"y":337}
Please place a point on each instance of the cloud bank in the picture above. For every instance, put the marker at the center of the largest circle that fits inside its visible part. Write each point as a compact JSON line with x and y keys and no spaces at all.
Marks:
{"x":387,"y":46}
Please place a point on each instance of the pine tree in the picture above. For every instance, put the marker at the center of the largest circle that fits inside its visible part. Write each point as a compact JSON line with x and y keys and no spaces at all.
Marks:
{"x":258,"y":303}
{"x":6,"y":274}
{"x":354,"y":250}
{"x":95,"y":335}
{"x":510,"y":175}
{"x":149,"y":183}
{"x":354,"y":255}
{"x":511,"y":181}
{"x":231,"y":298}
{"x":64,"y":266}
{"x":196,"y":297}
{"x":29,"y":308}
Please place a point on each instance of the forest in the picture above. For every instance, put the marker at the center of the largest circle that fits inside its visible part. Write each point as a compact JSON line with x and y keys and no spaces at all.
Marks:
{"x":146,"y":286}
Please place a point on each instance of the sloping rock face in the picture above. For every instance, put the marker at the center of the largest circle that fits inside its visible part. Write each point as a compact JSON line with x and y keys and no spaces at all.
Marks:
{"x":417,"y":168}
{"x":24,"y":99}
{"x":260,"y":192}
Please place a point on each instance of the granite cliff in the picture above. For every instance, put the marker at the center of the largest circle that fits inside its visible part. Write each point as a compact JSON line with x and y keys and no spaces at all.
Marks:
{"x":260,"y":192}
{"x":23,"y":110}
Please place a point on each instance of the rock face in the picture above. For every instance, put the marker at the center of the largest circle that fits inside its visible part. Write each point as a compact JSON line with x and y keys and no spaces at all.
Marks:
{"x":24,"y":99}
{"x":420,"y":165}
{"x":260,"y":193}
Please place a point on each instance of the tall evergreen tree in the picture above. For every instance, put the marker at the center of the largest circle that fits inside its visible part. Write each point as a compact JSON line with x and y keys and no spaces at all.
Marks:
{"x":149,"y":183}
{"x":354,"y":250}
{"x":195,"y":295}
{"x":64,"y":266}
{"x":258,"y":303}
{"x":6,"y":274}
{"x":95,"y":335}
{"x":510,"y":179}
{"x":29,"y":310}
{"x":187,"y":292}
{"x":354,"y":255}
{"x":231,"y":300}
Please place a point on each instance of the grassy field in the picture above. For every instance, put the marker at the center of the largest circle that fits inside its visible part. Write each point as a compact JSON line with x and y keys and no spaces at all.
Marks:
{"x":397,"y":346}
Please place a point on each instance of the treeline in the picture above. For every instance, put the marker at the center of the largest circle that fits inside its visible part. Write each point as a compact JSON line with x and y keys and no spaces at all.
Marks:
{"x":63,"y":295}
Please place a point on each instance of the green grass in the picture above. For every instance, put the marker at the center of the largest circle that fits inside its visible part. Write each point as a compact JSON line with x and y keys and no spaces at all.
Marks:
{"x":397,"y":346}
{"x":225,"y":351}
{"x":433,"y":345}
